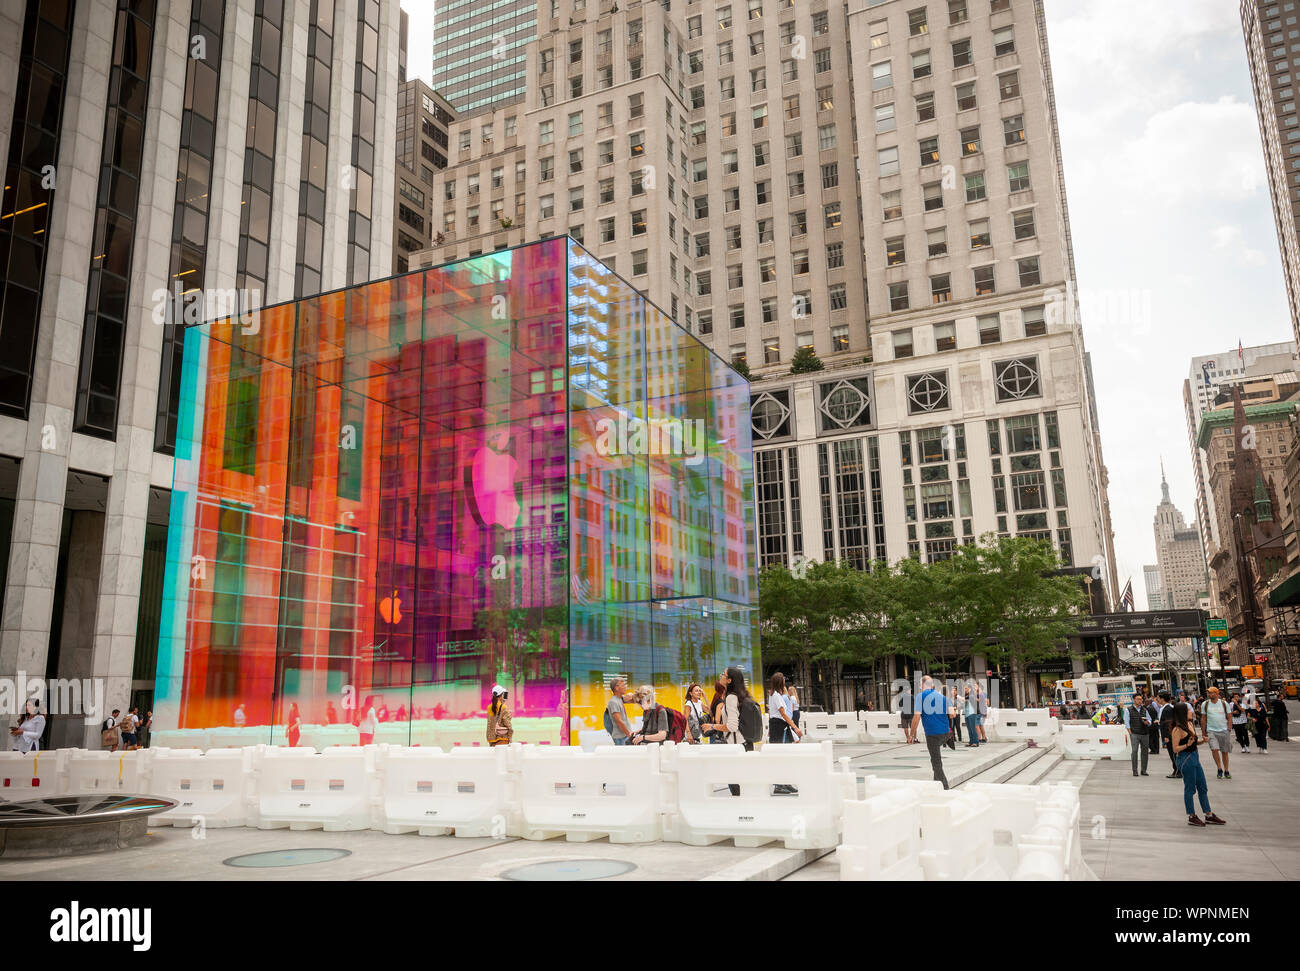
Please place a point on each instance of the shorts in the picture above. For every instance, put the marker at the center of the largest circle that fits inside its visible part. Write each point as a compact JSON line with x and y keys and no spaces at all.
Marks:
{"x":128,"y":738}
{"x":1220,"y":741}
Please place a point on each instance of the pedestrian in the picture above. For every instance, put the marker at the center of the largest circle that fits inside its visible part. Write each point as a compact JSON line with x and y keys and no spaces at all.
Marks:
{"x":654,"y":718}
{"x":27,"y":733}
{"x":616,"y":722}
{"x":1137,"y":719}
{"x":793,"y":695}
{"x":1259,"y":721}
{"x":982,"y":710}
{"x":1279,"y":720}
{"x":780,"y":726}
{"x":905,"y":714}
{"x":932,"y":714}
{"x":500,"y":730}
{"x":1153,"y":732}
{"x":1240,"y":724}
{"x":1216,"y":719}
{"x":142,"y":733}
{"x":718,"y":709}
{"x":1166,"y":722}
{"x":110,"y":735}
{"x":738,"y":700}
{"x":970,"y":711}
{"x":293,"y":730}
{"x":954,"y":714}
{"x":239,"y":718}
{"x":1183,"y":738}
{"x":128,"y":723}
{"x":697,"y":718}
{"x":369,"y":723}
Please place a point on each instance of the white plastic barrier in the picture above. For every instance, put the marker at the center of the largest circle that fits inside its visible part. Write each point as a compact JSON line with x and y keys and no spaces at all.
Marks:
{"x":881,"y":726}
{"x":33,"y":775}
{"x":590,"y":740}
{"x":537,"y":731}
{"x":471,"y":791}
{"x":1051,"y":851}
{"x":840,"y":727}
{"x":1011,"y":725}
{"x":882,"y":837}
{"x":1016,"y":811}
{"x":763,"y":810}
{"x":214,"y":788}
{"x":302,"y":790}
{"x":108,"y":771}
{"x":618,"y":792}
{"x":1094,"y":742}
{"x":874,"y":785}
{"x":957,"y":838}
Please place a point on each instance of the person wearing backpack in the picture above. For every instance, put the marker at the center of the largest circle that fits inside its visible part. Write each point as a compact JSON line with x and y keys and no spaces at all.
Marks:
{"x":655,"y":721}
{"x":1216,"y":725}
{"x":744,"y":721}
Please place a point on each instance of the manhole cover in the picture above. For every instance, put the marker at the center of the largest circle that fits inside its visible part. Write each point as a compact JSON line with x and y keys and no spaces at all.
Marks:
{"x":301,"y":857}
{"x":570,"y":870}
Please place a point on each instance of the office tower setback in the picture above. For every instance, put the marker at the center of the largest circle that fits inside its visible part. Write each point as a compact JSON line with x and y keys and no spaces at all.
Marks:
{"x":166,"y":162}
{"x":1271,"y":51}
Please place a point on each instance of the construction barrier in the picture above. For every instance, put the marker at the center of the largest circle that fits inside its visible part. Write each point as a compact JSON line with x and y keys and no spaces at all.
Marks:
{"x":957,"y":838}
{"x":882,"y":837}
{"x":874,"y":785}
{"x":180,"y":738}
{"x":1051,"y":851}
{"x":302,"y":790}
{"x":102,"y":772}
{"x":840,"y":727}
{"x":1094,"y":742}
{"x":791,"y":793}
{"x":212,"y":790}
{"x":618,"y":792}
{"x":589,"y":740}
{"x":33,"y":775}
{"x":1011,"y":725}
{"x":468,"y":791}
{"x":881,"y":726}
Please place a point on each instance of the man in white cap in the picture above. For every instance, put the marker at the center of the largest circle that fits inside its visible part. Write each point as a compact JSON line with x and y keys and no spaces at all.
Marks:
{"x":499,"y":728}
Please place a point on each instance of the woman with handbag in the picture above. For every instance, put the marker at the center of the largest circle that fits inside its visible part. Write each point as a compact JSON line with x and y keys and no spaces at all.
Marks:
{"x":718,"y":711}
{"x":1182,"y":738}
{"x":499,"y":728}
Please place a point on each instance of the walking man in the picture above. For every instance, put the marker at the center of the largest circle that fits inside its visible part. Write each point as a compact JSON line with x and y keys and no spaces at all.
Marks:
{"x":1137,"y":719}
{"x":932,"y":711}
{"x":1216,"y":718}
{"x":905,"y":714}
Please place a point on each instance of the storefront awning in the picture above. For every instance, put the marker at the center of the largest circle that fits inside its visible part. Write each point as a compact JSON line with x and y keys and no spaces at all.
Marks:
{"x":1286,"y":593}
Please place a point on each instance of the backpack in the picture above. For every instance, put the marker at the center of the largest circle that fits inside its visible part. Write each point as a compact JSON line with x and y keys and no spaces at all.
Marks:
{"x":609,"y":724}
{"x":751,"y":721}
{"x":676,"y":725}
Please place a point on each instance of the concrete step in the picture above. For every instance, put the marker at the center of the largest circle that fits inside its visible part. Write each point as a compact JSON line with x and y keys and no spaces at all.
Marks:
{"x":1071,"y":770}
{"x":1038,"y":770}
{"x":1004,"y":770}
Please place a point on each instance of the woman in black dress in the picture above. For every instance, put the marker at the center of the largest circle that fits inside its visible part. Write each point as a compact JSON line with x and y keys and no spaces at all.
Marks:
{"x":1259,"y":722}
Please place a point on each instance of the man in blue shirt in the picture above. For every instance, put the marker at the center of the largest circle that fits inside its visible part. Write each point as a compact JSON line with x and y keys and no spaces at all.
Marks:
{"x":932,"y":712}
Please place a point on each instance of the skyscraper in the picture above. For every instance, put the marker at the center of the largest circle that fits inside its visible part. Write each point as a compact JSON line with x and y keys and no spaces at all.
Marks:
{"x":1155,"y":592}
{"x":478,"y":50}
{"x":160,"y":169}
{"x":708,"y":152}
{"x":1179,"y":559}
{"x":1271,"y":51}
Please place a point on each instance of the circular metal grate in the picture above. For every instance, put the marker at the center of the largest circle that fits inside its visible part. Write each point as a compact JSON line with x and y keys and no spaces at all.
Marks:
{"x":570,"y":870}
{"x":274,"y":858}
{"x":91,"y":808}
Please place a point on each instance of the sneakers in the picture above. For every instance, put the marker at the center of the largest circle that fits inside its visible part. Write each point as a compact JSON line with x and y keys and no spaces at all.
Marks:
{"x":1145,"y":773}
{"x":1219,"y":774}
{"x":1214,"y":820}
{"x":1228,"y":776}
{"x":1194,"y":820}
{"x":1174,"y":775}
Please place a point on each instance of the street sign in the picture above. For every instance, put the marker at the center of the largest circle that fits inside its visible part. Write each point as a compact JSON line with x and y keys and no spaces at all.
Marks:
{"x":1263,"y":653}
{"x":1217,"y":629}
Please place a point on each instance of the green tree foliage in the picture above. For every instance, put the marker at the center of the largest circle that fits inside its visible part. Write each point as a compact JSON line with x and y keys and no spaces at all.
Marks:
{"x":1000,"y":598}
{"x":805,"y":360}
{"x":741,"y":367}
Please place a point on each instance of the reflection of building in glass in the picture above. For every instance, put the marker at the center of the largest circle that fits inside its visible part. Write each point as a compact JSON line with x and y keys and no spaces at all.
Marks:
{"x":397,"y":495}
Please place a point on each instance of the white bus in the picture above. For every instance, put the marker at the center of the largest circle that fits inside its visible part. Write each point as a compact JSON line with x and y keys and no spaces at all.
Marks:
{"x":1105,"y":689}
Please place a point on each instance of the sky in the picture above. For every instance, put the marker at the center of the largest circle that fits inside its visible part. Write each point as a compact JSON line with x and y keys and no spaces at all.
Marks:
{"x":1175,"y":246}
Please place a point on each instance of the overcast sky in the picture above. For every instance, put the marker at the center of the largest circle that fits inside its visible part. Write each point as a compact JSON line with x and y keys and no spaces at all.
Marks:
{"x":1174,"y":239}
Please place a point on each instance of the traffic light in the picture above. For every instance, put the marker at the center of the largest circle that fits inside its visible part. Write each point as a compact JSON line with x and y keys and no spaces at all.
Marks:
{"x":1259,"y":626}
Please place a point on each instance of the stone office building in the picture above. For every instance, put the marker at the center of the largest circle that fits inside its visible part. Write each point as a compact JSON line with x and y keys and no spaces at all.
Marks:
{"x":164,"y":160}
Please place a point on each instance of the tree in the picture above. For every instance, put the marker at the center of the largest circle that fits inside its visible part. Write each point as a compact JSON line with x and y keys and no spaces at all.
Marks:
{"x":805,"y":360}
{"x":1024,"y":612}
{"x":740,"y":366}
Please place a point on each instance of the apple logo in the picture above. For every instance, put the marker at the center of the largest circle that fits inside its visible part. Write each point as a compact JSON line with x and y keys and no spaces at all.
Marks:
{"x":490,"y":480}
{"x":390,"y":608}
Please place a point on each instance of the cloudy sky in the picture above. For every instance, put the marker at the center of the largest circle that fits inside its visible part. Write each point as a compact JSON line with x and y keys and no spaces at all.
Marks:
{"x":1174,"y":238}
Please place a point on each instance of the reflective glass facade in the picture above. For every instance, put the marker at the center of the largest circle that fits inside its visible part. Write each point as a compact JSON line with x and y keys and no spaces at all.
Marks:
{"x":509,"y":469}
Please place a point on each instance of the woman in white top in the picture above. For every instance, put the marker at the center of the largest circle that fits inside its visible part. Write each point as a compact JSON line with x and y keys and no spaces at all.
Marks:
{"x":793,"y":695}
{"x":780,"y":726}
{"x":27,"y":733}
{"x":369,"y":722}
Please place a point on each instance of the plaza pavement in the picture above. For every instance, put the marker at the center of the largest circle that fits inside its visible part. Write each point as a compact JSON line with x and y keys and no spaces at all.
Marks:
{"x":1143,"y":825}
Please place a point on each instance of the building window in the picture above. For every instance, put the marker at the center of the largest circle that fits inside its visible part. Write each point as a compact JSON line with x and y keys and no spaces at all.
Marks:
{"x":927,"y":392}
{"x":895,"y":251}
{"x":945,"y":336}
{"x":984,"y":282}
{"x":1022,"y":224}
{"x":1035,"y":321}
{"x":936,"y":242}
{"x":921,"y":67}
{"x":1029,"y":272}
{"x":882,"y":76}
{"x":1013,"y":130}
{"x":990,"y":328}
{"x":961,"y":53}
{"x":887,"y":159}
{"x":892,"y":204}
{"x":898,"y":299}
{"x":1004,"y":41}
{"x":932,"y":194}
{"x":925,"y":106}
{"x":1016,"y":379}
{"x":1009,"y":85}
{"x":902,"y":343}
{"x":979,"y":234}
{"x":940,"y":289}
{"x":966,"y":99}
{"x":975,"y":190}
{"x":970,"y":141}
{"x":1018,"y":176}
{"x":929,"y":150}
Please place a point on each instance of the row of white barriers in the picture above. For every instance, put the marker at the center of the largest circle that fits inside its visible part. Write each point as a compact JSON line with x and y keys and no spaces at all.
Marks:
{"x":439,"y":733}
{"x":907,"y":830}
{"x":1000,"y":725}
{"x":689,"y":794}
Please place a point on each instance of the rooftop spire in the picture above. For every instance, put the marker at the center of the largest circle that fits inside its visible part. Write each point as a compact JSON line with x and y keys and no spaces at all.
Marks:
{"x":1164,"y":484}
